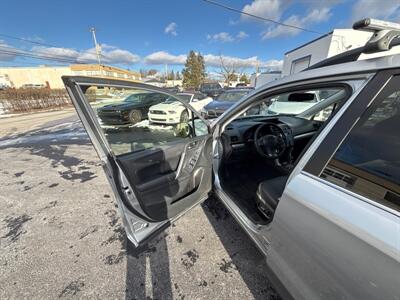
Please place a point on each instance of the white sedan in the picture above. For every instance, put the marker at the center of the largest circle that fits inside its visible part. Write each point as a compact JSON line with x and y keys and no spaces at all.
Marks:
{"x":174,"y":112}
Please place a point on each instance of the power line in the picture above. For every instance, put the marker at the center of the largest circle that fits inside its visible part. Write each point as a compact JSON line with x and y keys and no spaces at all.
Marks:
{"x":46,"y":44}
{"x":27,"y":41}
{"x":24,"y":53}
{"x":260,"y":18}
{"x":17,"y":52}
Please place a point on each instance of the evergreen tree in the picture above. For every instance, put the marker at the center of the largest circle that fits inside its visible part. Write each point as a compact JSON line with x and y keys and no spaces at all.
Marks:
{"x":194,"y":71}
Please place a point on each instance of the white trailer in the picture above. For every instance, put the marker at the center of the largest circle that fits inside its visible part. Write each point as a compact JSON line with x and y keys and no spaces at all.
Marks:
{"x":328,"y":45}
{"x":259,"y":79}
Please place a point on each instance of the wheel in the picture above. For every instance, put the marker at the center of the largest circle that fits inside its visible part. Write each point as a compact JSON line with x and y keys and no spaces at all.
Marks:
{"x":184,"y":116}
{"x":135,"y":116}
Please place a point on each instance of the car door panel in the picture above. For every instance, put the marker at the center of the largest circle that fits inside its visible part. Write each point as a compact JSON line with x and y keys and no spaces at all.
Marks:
{"x":164,"y":176}
{"x":338,"y":248}
{"x":149,"y":164}
{"x":329,"y":238}
{"x":154,"y":184}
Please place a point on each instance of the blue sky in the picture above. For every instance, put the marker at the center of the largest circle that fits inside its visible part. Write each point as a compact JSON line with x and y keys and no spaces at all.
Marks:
{"x":148,"y":34}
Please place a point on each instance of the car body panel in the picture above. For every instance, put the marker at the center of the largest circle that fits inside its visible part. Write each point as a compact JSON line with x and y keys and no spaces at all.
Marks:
{"x":218,"y":106}
{"x":118,"y":113}
{"x":170,"y":113}
{"x":211,"y":89}
{"x":334,"y":246}
{"x":312,"y":268}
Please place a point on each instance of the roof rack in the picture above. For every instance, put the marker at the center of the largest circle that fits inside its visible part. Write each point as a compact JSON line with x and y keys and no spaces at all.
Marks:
{"x":385,"y":36}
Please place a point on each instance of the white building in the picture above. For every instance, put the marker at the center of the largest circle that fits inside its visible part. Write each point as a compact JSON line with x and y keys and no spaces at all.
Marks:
{"x":155,"y":82}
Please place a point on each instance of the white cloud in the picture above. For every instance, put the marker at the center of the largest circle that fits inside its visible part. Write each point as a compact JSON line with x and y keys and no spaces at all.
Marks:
{"x":4,"y":47}
{"x":66,"y":53}
{"x":211,"y":60}
{"x":162,"y":57}
{"x":171,"y":29}
{"x":271,"y":9}
{"x":250,"y":62}
{"x":110,"y":54}
{"x":233,"y":22}
{"x":314,"y":12}
{"x":241,"y":35}
{"x":384,"y":9}
{"x":314,"y":16}
{"x":223,"y":37}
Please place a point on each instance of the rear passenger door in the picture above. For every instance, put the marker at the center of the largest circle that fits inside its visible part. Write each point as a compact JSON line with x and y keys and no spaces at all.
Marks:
{"x":336,"y":231}
{"x":157,"y":172}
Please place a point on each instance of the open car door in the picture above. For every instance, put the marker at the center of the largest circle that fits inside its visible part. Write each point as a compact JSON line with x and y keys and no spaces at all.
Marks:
{"x":157,"y":171}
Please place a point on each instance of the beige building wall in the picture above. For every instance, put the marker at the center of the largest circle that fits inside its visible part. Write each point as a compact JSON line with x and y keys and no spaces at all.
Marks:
{"x":19,"y":76}
{"x":51,"y":76}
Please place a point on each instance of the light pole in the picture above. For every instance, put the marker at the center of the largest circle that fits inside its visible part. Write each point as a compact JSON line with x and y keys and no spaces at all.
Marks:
{"x":97,"y":48}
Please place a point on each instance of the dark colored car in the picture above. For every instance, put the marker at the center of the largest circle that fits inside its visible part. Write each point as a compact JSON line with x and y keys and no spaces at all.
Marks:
{"x":211,"y":89}
{"x":225,"y":100}
{"x":174,"y":89}
{"x":132,"y":109}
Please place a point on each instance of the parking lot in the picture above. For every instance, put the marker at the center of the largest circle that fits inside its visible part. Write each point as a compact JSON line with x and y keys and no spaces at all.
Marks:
{"x":61,"y":237}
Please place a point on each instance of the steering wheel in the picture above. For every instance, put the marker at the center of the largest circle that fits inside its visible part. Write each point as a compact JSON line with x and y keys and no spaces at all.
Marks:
{"x":271,"y":145}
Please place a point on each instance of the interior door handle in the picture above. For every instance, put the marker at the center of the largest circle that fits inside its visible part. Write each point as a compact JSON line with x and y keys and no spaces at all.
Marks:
{"x":192,"y":145}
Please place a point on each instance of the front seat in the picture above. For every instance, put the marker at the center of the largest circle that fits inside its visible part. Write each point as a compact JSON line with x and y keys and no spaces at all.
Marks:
{"x":269,"y":193}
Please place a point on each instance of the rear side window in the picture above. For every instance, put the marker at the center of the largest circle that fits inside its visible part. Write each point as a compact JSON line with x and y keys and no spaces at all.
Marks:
{"x":368,"y":160}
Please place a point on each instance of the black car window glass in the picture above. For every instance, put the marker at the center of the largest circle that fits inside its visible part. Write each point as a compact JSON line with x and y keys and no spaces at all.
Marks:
{"x":368,"y":162}
{"x":231,"y":96}
{"x":137,"y":119}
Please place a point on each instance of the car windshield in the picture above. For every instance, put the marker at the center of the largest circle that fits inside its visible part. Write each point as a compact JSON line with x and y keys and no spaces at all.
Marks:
{"x":231,"y":96}
{"x":136,"y":97}
{"x":185,"y":97}
{"x":297,"y":103}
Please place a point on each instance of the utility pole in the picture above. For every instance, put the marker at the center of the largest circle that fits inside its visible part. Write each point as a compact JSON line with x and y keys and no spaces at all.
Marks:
{"x":257,"y":71}
{"x":97,"y":48}
{"x":166,"y":74}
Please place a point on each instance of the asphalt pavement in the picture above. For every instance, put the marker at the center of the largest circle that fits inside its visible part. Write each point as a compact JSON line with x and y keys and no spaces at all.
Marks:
{"x":61,"y":236}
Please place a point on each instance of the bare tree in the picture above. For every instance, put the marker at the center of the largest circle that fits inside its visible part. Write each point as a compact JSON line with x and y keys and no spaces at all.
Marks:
{"x":228,"y":70}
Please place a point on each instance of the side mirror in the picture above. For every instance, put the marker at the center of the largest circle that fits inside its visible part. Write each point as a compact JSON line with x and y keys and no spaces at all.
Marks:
{"x":183,"y":130}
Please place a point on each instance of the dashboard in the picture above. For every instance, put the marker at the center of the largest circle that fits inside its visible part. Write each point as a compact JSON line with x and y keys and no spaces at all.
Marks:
{"x":241,"y":131}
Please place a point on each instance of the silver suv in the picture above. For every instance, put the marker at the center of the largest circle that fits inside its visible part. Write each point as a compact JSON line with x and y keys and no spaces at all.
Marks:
{"x":320,"y":197}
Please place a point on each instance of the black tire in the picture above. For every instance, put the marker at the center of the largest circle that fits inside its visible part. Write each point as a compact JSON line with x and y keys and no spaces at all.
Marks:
{"x":184,"y":117}
{"x":135,"y":116}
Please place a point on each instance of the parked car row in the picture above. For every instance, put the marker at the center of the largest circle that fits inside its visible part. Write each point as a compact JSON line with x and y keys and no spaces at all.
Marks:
{"x":163,"y":109}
